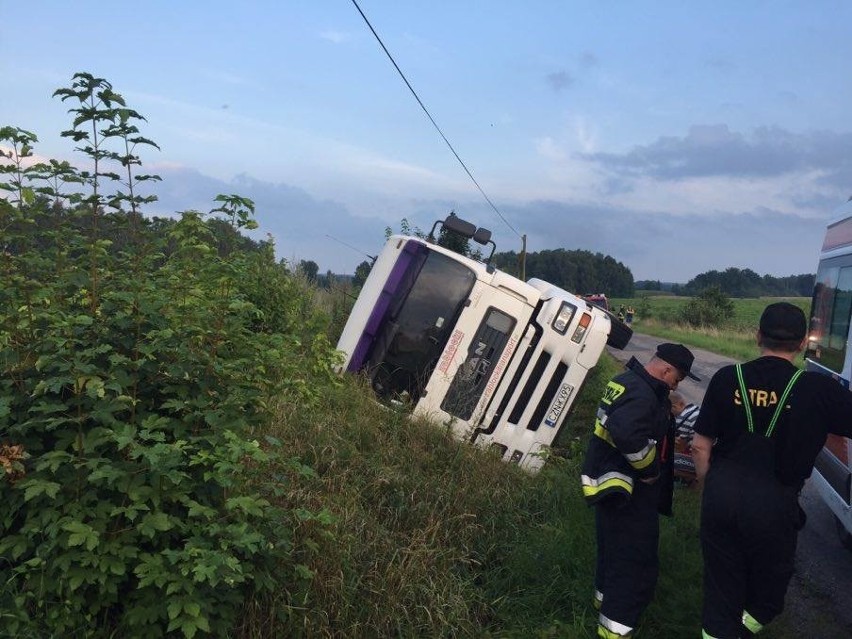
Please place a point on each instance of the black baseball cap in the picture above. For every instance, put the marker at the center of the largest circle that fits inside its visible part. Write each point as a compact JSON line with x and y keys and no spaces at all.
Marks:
{"x":784,"y":322}
{"x":678,"y":356}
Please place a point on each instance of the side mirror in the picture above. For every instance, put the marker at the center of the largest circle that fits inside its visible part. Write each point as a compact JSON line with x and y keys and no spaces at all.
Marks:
{"x":460,"y":226}
{"x":482,"y":236}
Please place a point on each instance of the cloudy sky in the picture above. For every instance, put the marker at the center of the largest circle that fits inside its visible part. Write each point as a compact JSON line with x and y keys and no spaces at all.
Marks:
{"x":677,"y":137}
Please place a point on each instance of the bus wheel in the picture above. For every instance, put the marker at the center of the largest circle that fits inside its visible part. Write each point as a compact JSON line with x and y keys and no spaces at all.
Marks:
{"x":619,"y":333}
{"x":844,"y":535}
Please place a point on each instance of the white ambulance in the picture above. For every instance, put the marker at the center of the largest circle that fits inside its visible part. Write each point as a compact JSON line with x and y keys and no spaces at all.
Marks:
{"x":829,"y":352}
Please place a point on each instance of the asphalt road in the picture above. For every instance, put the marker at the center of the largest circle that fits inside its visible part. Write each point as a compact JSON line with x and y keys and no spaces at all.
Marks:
{"x":642,"y":347}
{"x":819,"y":601}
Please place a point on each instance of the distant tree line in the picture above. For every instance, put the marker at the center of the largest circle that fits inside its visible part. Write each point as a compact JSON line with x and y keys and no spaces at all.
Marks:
{"x":655,"y":285}
{"x":736,"y":282}
{"x":577,"y":271}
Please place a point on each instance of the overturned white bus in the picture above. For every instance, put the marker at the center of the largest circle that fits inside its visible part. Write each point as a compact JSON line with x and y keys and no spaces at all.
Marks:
{"x":828,"y":352}
{"x":498,"y":359}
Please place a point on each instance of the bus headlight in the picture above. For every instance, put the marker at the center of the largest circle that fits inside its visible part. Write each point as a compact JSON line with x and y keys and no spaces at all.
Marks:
{"x":563,"y":318}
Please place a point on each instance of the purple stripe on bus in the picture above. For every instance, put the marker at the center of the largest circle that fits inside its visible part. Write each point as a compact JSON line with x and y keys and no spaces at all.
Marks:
{"x":374,"y":323}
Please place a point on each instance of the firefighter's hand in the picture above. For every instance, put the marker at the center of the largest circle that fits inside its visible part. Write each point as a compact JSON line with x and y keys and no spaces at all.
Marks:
{"x":649,"y":480}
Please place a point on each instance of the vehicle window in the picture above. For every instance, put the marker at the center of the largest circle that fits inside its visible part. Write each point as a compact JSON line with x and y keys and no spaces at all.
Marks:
{"x":830,"y":312}
{"x":485,"y":349}
{"x":421,"y":325}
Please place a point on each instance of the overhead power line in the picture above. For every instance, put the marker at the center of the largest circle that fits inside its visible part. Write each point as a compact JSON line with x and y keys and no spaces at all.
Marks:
{"x":431,"y":119}
{"x":373,"y":258}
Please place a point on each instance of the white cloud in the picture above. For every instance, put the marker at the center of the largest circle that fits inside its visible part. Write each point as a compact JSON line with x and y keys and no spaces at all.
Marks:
{"x":721,"y":194}
{"x":220,"y":76}
{"x":550,"y":150}
{"x":586,"y":134}
{"x":332,"y":35}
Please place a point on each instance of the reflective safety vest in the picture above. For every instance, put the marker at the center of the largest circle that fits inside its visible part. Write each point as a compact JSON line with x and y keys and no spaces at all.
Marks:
{"x":632,"y":421}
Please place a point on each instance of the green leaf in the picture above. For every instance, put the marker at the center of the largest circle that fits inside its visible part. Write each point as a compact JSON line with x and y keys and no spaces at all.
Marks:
{"x":81,"y":534}
{"x":273,"y":441}
{"x":246,"y":504}
{"x":174,"y":608}
{"x":115,"y":566}
{"x":202,"y":624}
{"x":35,"y":487}
{"x":303,"y":572}
{"x":106,"y":472}
{"x":53,"y":460}
{"x":152,"y":523}
{"x":189,"y":627}
{"x":14,"y":545}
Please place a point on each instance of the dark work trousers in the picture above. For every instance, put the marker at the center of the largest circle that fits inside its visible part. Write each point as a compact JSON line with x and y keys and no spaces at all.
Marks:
{"x":749,"y":525}
{"x":627,"y":563}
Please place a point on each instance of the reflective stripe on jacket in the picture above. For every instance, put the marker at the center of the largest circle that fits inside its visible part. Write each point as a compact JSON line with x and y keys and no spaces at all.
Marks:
{"x":633,"y":421}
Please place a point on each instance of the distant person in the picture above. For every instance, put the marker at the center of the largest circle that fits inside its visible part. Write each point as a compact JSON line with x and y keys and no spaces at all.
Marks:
{"x":628,"y":315}
{"x":761,"y":426}
{"x":628,"y":477}
{"x":621,"y":313}
{"x":685,"y":415}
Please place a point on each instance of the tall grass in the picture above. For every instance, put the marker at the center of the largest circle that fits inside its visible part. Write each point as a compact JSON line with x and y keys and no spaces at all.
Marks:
{"x":425,"y":536}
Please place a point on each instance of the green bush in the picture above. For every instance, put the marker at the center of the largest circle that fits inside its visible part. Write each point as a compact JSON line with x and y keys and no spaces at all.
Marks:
{"x":644,"y":309}
{"x":134,"y":377}
{"x":710,"y":308}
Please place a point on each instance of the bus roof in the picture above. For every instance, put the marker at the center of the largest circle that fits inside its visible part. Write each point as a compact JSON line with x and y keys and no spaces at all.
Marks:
{"x":839,"y":231}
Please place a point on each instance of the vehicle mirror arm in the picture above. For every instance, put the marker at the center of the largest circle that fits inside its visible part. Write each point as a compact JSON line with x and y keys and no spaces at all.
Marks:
{"x":488,"y":263}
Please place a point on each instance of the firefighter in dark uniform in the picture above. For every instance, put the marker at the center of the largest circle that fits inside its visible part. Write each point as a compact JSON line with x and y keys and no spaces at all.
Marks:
{"x":628,"y":476}
{"x":760,"y":429}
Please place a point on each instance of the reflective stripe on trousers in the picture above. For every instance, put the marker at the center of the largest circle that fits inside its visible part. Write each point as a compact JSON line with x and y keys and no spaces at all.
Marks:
{"x":627,"y":536}
{"x":609,"y":629}
{"x":750,"y":623}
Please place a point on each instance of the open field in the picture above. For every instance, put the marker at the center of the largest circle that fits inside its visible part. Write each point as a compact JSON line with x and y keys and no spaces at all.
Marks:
{"x":659,"y":316}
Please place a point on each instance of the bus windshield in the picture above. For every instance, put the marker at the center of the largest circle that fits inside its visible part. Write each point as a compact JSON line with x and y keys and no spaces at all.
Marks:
{"x":424,"y":308}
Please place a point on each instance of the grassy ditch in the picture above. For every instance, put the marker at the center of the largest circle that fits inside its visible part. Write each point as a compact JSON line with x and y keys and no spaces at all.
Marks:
{"x":421,"y":535}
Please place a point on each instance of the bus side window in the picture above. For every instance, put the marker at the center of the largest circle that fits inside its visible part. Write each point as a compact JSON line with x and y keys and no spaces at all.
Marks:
{"x":832,"y":305}
{"x":842,"y":308}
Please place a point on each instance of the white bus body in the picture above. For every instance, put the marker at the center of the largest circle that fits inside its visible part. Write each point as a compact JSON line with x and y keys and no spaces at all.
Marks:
{"x":499,"y":360}
{"x":829,"y":352}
